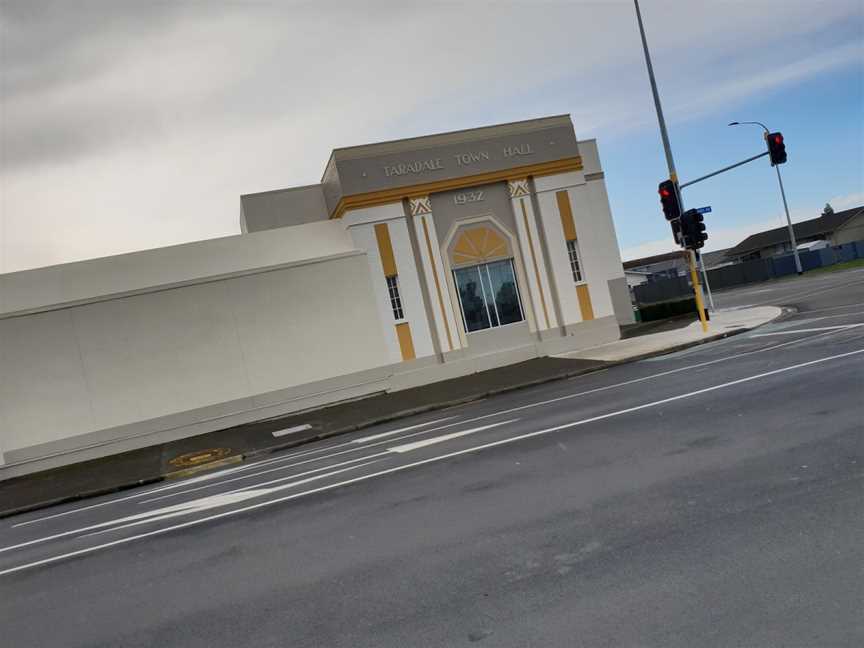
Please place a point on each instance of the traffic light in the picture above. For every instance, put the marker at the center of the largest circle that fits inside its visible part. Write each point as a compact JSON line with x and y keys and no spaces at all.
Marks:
{"x":693,"y":229}
{"x":776,"y":148}
{"x":669,"y":200}
{"x":671,"y":207}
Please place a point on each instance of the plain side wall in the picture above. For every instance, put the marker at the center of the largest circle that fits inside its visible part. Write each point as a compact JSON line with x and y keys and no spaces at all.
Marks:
{"x":72,"y":371}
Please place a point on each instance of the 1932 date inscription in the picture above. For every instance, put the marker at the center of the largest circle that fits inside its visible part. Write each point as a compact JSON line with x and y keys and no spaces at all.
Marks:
{"x":469,"y":197}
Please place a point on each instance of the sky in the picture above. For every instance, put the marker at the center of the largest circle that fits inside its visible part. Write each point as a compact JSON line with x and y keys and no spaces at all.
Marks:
{"x":127,"y":125}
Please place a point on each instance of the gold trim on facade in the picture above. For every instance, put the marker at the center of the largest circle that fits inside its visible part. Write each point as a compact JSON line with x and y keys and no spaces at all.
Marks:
{"x":406,"y":344}
{"x":584,"y":298}
{"x":385,"y":249}
{"x":566,"y":213}
{"x":375,"y":198}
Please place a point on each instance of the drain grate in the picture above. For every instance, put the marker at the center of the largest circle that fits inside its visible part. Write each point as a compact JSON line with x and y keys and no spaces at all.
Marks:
{"x":199,"y":457}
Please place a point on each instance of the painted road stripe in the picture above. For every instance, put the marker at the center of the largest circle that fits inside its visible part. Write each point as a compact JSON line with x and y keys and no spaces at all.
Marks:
{"x":174,"y":510}
{"x":291,"y":430}
{"x":840,"y":327}
{"x":214,"y":501}
{"x":416,"y":445}
{"x":398,"y":449}
{"x":493,"y":444}
{"x":212,"y":477}
{"x":384,"y":435}
{"x":272,"y":481}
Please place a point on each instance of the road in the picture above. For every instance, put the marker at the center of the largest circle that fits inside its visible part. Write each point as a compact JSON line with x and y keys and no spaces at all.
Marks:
{"x":712,"y":497}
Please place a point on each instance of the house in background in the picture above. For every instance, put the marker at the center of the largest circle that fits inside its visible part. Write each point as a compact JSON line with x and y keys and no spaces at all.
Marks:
{"x":836,"y":228}
{"x":667,"y":265}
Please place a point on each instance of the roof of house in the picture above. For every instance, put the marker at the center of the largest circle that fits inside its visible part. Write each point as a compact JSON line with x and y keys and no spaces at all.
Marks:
{"x":657,"y":258}
{"x":805,"y":229}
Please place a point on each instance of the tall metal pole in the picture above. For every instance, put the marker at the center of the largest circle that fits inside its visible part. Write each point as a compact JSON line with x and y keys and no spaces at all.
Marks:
{"x":791,"y":229}
{"x":670,"y":162}
{"x":705,"y":282}
{"x":673,"y":176}
{"x":798,"y":267}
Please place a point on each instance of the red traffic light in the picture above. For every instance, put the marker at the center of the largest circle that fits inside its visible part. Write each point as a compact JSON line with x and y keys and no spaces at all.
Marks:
{"x":669,"y":200}
{"x":776,"y":148}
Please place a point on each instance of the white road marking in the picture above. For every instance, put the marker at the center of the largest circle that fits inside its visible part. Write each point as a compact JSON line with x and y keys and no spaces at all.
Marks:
{"x":799,"y":295}
{"x":829,"y":308}
{"x":193,"y":506}
{"x":291,"y":430}
{"x":841,"y":327}
{"x":823,"y":317}
{"x":149,"y":491}
{"x":493,"y":444}
{"x":384,"y":435}
{"x":308,"y":472}
{"x":211,"y":476}
{"x":409,"y":447}
{"x":272,"y":481}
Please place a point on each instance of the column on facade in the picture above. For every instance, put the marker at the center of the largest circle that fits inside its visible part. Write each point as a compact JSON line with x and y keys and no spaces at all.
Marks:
{"x":446,"y":321}
{"x":539,"y":287}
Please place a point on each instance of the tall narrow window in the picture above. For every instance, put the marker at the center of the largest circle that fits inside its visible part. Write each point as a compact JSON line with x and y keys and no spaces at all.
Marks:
{"x":575,"y":267}
{"x":395,"y":299}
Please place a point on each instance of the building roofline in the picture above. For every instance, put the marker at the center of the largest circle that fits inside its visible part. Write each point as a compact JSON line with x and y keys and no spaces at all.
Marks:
{"x":755,"y":241}
{"x":449,"y":137}
{"x":273,"y":191}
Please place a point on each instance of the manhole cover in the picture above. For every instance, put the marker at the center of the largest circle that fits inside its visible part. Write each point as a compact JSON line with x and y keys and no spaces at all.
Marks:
{"x":199,"y":457}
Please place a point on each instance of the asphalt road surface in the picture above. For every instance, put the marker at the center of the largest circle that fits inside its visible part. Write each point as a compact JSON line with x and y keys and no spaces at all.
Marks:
{"x":712,"y":497}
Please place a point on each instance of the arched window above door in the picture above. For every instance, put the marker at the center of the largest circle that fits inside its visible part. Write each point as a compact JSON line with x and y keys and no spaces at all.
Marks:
{"x":479,"y":244}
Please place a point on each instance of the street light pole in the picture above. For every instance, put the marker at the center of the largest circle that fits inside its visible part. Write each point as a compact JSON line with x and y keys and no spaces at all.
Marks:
{"x":670,"y":162}
{"x":798,"y":267}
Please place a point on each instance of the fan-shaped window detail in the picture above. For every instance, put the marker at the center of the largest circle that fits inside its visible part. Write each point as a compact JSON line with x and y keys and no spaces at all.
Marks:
{"x":479,"y":245}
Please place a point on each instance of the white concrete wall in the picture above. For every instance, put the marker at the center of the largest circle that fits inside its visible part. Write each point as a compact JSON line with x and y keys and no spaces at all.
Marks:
{"x":73,"y":283}
{"x":72,"y":371}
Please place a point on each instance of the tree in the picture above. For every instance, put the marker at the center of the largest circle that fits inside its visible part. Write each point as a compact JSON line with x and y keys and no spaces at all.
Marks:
{"x":828,"y":211}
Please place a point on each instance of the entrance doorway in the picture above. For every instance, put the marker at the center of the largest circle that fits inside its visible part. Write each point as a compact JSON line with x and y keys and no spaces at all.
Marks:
{"x":488,"y":295}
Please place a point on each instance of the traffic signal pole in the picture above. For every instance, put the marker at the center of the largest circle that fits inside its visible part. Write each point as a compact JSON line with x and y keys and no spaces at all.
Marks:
{"x":670,"y":162}
{"x":791,"y":229}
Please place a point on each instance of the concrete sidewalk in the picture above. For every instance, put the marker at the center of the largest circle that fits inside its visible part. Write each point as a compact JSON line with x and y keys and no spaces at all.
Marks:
{"x":186,"y":457}
{"x":723,"y":323}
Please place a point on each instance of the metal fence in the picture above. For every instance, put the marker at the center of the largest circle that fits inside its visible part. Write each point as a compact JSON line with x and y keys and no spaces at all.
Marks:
{"x":747,"y":272}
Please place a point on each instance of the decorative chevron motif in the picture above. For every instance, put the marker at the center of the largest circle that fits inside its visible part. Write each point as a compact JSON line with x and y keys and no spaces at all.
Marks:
{"x":421,"y":205}
{"x":518,"y":187}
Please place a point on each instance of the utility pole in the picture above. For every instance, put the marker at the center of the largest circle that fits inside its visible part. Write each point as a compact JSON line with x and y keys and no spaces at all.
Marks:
{"x":670,"y":162}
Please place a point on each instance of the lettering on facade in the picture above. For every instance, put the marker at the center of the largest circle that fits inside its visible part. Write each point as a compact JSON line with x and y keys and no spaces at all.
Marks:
{"x":462,"y":160}
{"x":413,"y":167}
{"x":469,"y":197}
{"x":521,"y":149}
{"x":472,"y":157}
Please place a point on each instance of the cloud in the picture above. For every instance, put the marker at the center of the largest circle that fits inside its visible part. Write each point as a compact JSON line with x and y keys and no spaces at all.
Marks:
{"x":848,"y":201}
{"x":129,"y":125}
